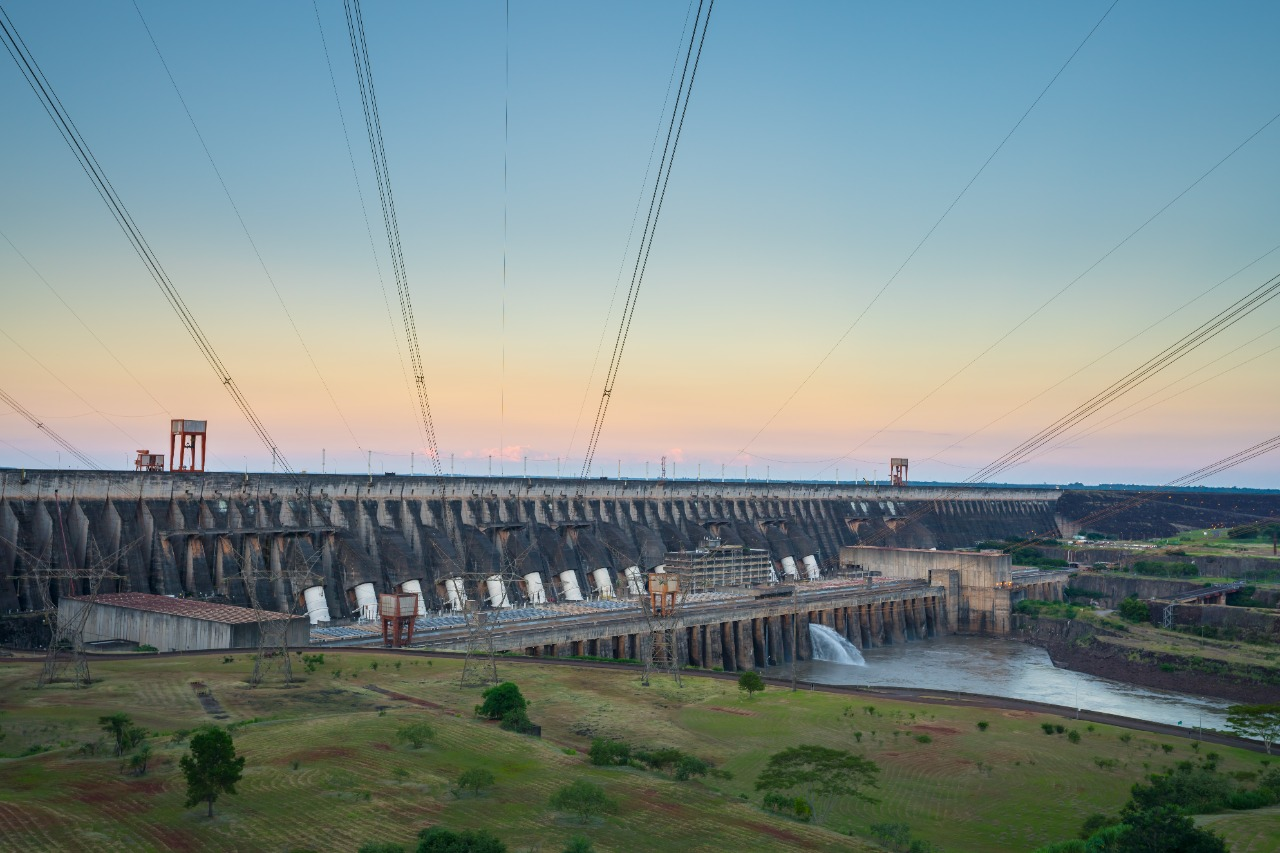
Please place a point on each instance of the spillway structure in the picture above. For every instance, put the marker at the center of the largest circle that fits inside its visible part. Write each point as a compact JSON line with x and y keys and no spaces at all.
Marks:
{"x":502,"y":543}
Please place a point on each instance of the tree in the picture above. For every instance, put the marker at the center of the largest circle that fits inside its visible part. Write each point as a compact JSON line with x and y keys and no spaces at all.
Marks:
{"x":139,"y":760}
{"x":1163,"y":829}
{"x":416,"y":734}
{"x":1258,"y":721}
{"x":750,"y":682}
{"x":579,"y":844}
{"x":585,"y":799}
{"x":122,"y":729}
{"x":1191,"y":788}
{"x":500,"y":700}
{"x":1134,"y":610}
{"x":437,"y":839}
{"x":823,"y":775}
{"x":211,"y":768}
{"x":476,"y":779}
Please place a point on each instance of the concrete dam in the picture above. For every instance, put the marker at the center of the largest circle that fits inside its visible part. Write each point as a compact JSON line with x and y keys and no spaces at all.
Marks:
{"x":502,"y":541}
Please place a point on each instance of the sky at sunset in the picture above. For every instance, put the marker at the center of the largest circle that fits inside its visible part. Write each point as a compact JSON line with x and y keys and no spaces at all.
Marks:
{"x":791,"y":319}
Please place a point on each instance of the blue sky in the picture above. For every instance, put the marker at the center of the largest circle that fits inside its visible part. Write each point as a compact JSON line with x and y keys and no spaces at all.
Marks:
{"x":822,"y":142}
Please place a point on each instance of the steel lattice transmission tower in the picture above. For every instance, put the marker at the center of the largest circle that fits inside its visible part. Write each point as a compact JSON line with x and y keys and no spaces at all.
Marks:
{"x":660,"y":649}
{"x":480,"y":666}
{"x":66,"y":644}
{"x":273,"y":626}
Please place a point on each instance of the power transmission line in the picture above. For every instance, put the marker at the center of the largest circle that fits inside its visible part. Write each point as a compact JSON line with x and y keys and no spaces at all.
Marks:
{"x":1193,"y":340}
{"x":40,"y":85}
{"x":245,"y":228}
{"x":43,"y":427}
{"x":945,"y":213}
{"x":373,"y":127}
{"x":1046,"y":303}
{"x":626,"y":249}
{"x":1109,"y":352}
{"x":656,"y":199}
{"x":1120,"y":415}
{"x":506,"y":202}
{"x":83,"y":324}
{"x":73,"y":391}
{"x":364,"y":212}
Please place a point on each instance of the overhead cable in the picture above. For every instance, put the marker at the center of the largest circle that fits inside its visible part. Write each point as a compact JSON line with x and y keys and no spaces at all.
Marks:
{"x":656,"y":198}
{"x":1072,"y":283}
{"x":373,"y":127}
{"x":364,"y":212}
{"x":245,"y":228}
{"x":1099,"y":358}
{"x":626,"y":249}
{"x":1193,"y":340}
{"x":44,"y":428}
{"x":928,"y":234}
{"x":39,"y":84}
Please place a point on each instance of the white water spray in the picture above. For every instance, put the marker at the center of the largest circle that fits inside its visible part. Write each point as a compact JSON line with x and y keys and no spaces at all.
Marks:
{"x":833,"y":648}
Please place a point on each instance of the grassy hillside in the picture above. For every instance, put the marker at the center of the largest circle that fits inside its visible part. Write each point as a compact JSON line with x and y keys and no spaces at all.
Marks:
{"x":326,"y":772}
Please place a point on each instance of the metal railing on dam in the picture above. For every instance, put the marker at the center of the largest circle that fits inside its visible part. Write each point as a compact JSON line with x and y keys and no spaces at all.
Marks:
{"x":731,"y":630}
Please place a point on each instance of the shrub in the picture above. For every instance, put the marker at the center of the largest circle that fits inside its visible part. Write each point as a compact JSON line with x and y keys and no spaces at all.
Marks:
{"x":924,"y":739}
{"x":983,"y":725}
{"x":1095,"y":822}
{"x":516,"y":720}
{"x":689,"y":766}
{"x":579,"y":844}
{"x":500,"y":700}
{"x":608,"y":753}
{"x":416,"y":734}
{"x":1048,"y":728}
{"x":437,"y":839}
{"x":660,"y":758}
{"x":895,"y":836}
{"x":1073,"y":736}
{"x":476,"y":779}
{"x":583,"y":798}
{"x":1134,"y":610}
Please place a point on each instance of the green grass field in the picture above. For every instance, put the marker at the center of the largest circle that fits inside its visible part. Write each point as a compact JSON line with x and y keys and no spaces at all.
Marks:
{"x":325,"y":771}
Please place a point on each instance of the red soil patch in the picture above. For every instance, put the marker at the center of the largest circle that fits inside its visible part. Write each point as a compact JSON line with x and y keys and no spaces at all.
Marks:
{"x":735,"y":711}
{"x":937,"y":730}
{"x":774,"y":832}
{"x":322,"y":752}
{"x":96,"y":792}
{"x":175,"y":839}
{"x":150,"y":787}
{"x":403,"y":698}
{"x":385,"y":747}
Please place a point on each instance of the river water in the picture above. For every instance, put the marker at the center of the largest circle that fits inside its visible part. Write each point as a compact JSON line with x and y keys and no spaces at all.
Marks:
{"x":998,"y":667}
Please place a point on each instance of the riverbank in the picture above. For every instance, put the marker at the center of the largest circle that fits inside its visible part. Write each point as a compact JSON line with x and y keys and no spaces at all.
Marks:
{"x":1146,"y":656}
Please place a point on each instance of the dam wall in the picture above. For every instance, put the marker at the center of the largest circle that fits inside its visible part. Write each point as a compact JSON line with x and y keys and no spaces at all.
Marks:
{"x":334,"y":541}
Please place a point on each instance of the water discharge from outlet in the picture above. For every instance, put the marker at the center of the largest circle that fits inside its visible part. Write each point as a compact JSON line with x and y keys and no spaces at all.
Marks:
{"x":831,"y":647}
